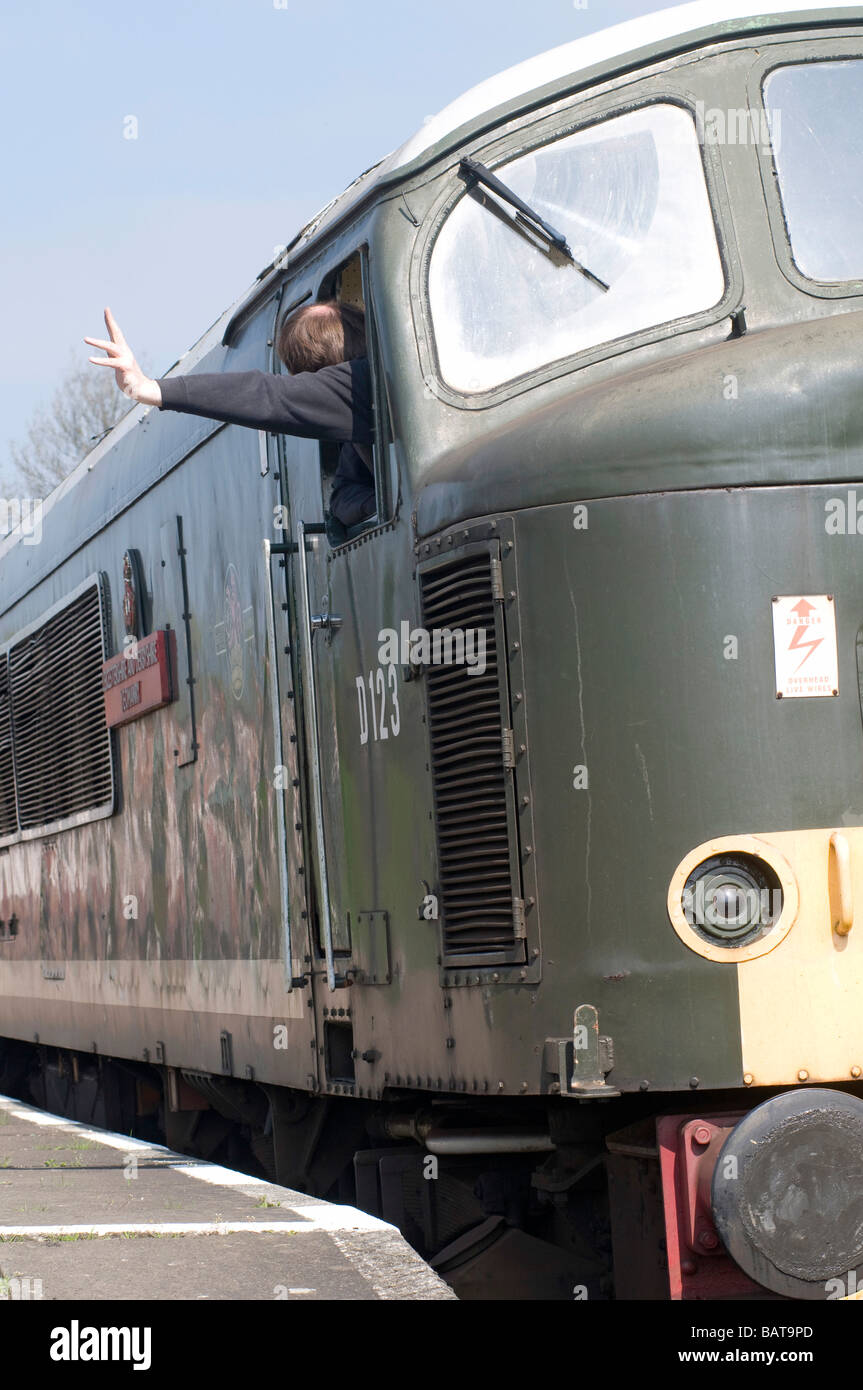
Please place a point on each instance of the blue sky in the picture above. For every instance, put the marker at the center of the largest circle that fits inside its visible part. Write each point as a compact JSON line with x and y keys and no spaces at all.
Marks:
{"x":251,"y":114}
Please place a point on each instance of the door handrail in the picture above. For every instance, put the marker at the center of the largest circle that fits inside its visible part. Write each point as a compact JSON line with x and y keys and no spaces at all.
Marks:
{"x":291,"y":981}
{"x":303,"y":530}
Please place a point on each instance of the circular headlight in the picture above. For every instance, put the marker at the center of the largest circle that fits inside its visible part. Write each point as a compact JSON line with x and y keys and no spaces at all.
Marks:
{"x":731,"y":899}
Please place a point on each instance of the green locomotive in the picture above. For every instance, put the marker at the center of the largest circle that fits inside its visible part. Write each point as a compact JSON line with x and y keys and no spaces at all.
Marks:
{"x":497,"y":865}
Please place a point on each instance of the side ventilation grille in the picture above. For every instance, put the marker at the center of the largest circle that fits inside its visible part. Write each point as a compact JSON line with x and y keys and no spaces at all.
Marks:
{"x":480,"y":907}
{"x":8,"y":814}
{"x":51,"y":691}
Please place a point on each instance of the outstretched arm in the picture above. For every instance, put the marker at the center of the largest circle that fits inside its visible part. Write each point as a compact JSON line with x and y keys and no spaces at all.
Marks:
{"x":130,"y":379}
{"x":333,"y":403}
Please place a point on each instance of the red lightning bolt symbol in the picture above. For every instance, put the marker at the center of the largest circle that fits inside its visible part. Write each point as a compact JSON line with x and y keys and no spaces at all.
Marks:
{"x":797,"y":643}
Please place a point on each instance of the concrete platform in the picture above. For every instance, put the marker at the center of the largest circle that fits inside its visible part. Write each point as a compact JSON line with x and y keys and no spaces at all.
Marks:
{"x":85,"y":1214}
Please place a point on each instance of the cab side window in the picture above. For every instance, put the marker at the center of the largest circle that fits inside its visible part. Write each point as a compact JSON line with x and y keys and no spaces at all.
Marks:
{"x":354,"y":482}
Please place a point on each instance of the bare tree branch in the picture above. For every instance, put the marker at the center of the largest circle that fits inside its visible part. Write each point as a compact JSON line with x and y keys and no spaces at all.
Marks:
{"x":84,"y":406}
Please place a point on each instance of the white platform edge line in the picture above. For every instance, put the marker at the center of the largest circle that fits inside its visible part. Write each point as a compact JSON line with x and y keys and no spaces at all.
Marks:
{"x":168,"y":1228}
{"x":322,"y":1216}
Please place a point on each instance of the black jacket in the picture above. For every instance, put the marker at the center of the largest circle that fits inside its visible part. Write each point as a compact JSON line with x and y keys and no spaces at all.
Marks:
{"x":332,"y":404}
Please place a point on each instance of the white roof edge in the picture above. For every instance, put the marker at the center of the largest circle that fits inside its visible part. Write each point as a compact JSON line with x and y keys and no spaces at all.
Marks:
{"x":709,"y":19}
{"x":599,"y":47}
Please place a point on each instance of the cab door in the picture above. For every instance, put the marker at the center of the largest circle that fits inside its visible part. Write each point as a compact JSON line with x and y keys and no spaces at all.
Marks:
{"x":350,"y":702}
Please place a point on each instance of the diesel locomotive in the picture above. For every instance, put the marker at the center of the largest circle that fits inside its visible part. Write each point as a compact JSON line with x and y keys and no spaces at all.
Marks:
{"x":496,"y":865}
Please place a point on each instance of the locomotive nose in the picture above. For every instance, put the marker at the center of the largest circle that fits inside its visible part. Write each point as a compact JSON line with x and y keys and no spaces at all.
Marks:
{"x":787,"y":1194}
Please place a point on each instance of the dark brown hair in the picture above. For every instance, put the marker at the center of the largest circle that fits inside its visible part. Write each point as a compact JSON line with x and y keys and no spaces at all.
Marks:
{"x":320,"y":335}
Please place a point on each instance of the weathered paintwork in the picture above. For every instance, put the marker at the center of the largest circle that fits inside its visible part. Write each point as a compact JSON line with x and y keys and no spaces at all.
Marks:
{"x":699,"y":509}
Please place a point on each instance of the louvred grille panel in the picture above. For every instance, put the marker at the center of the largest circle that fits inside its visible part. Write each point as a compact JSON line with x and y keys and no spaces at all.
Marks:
{"x":471,"y":784}
{"x":8,"y":816}
{"x":62,"y":760}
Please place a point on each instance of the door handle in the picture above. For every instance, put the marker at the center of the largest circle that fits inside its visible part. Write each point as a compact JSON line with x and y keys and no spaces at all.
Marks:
{"x":843,"y":909}
{"x":324,"y":621}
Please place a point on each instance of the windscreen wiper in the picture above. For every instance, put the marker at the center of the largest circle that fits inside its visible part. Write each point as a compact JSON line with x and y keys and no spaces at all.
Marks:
{"x":528,"y":215}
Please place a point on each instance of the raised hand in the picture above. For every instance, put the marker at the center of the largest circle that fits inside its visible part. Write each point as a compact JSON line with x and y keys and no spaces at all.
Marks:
{"x":130,"y":379}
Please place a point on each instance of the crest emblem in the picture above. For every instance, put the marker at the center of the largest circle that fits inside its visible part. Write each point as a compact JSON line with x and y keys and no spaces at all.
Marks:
{"x":133,"y":594}
{"x":234,"y":632}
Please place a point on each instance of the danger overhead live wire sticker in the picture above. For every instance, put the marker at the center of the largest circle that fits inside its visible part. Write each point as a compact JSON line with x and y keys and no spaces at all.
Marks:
{"x":804,"y":645}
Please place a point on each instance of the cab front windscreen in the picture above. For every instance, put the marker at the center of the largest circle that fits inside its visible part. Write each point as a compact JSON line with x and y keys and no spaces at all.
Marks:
{"x":814,"y":112}
{"x":629,"y":195}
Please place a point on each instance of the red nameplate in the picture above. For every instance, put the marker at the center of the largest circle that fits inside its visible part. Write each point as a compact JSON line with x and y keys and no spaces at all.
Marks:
{"x":139,"y":680}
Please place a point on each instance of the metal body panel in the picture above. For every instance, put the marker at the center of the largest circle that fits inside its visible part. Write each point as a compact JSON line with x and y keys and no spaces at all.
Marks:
{"x":680,"y":743}
{"x":700,"y":506}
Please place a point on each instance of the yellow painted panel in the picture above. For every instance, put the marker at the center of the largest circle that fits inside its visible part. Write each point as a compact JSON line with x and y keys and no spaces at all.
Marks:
{"x":801,"y":1004}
